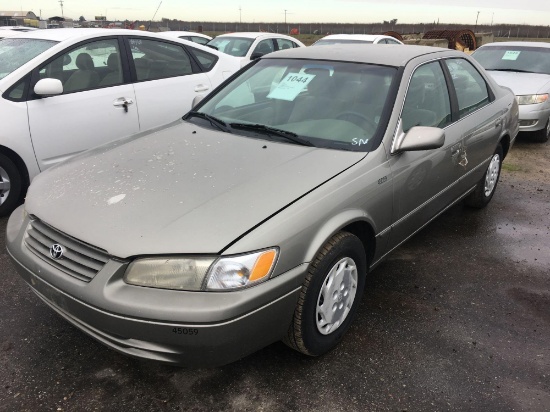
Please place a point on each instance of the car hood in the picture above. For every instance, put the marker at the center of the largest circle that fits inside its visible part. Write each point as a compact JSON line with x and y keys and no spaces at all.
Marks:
{"x":522,"y":83}
{"x":179,"y":189}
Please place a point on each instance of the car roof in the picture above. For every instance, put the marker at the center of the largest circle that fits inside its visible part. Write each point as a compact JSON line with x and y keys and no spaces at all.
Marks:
{"x":519,"y":44}
{"x":176,"y":33}
{"x":364,"y":37}
{"x":384,"y":54}
{"x":65,"y":34}
{"x":254,"y":35}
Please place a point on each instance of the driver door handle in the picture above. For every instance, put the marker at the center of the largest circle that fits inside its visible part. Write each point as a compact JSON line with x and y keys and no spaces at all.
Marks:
{"x":123,"y":102}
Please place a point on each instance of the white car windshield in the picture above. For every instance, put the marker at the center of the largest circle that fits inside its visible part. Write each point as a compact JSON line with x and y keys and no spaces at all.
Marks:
{"x":514,"y":58}
{"x":14,"y":53}
{"x":235,"y":46}
{"x":320,"y":103}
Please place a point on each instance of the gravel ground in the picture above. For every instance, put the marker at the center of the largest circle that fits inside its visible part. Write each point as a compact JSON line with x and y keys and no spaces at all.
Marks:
{"x":457,"y":319}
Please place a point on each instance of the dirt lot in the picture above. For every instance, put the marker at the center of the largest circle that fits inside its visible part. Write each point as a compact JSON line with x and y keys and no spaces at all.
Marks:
{"x":458,"y":319}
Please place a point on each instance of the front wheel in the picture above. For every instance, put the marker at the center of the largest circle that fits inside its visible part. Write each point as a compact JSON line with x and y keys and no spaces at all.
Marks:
{"x":11,"y":185}
{"x":485,"y":189}
{"x":329,"y":297}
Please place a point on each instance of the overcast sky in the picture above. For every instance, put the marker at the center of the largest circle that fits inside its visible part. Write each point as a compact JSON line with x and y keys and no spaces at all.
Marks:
{"x":340,"y":11}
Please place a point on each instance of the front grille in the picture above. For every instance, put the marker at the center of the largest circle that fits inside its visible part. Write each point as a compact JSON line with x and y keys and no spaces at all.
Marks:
{"x":79,"y":260}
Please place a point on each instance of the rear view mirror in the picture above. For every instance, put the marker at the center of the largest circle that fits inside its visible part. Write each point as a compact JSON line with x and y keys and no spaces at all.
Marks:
{"x":48,"y":87}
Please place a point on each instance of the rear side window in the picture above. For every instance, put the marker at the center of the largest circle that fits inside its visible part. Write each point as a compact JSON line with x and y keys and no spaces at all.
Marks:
{"x":155,"y":60}
{"x":471,"y":89}
{"x":206,"y":60}
{"x":284,"y":44}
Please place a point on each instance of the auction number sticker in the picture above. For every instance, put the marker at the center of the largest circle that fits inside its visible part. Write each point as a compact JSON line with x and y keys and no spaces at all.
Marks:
{"x":291,"y":86}
{"x":511,"y":55}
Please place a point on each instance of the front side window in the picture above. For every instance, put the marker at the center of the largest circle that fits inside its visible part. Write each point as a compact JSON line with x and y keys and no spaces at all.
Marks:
{"x":427,"y":102}
{"x":514,"y":58}
{"x":330,"y":104}
{"x":14,"y":53}
{"x":264,"y":47}
{"x":159,"y":60}
{"x":470,"y":87}
{"x":89,"y":66}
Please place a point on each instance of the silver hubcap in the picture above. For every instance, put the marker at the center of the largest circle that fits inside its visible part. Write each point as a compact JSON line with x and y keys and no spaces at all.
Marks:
{"x":336,"y":296}
{"x":548,"y":128}
{"x":4,"y":185}
{"x":492,"y":175}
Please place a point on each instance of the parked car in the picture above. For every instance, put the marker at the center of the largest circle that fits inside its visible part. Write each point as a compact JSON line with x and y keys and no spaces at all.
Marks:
{"x":524,"y":67}
{"x":64,"y":91}
{"x":251,"y":45}
{"x":356,"y":38}
{"x":258,"y":216}
{"x":187,"y":35}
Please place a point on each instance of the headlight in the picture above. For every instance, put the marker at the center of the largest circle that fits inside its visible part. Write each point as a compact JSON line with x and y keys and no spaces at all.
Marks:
{"x":237,"y":272}
{"x":532,"y":98}
{"x":202,"y":273}
{"x":169,"y":273}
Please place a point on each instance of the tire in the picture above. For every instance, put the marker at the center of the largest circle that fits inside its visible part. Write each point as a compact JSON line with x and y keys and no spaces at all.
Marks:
{"x":543,"y":134}
{"x":342,"y":260}
{"x":11,"y":185}
{"x":485,"y":189}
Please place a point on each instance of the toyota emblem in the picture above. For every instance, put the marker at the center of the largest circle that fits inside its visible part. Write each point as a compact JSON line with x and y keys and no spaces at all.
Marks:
{"x":56,"y":251}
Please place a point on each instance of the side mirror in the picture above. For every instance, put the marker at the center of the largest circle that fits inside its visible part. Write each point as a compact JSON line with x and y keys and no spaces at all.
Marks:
{"x":48,"y":87}
{"x":420,"y":138}
{"x":197,"y":100}
{"x":256,"y":55}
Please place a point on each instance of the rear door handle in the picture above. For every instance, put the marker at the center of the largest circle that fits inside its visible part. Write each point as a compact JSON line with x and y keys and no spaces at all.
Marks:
{"x":201,"y":88}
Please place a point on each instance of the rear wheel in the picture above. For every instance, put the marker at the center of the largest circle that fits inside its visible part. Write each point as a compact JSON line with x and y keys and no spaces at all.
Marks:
{"x":543,"y":134}
{"x":329,"y":297}
{"x":11,"y":185}
{"x":486,"y":187}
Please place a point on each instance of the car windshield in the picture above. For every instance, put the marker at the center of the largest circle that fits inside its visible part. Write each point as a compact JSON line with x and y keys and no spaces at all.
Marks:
{"x":514,"y":58}
{"x":235,"y":46}
{"x":14,"y":53}
{"x":327,"y":42}
{"x":311,"y":102}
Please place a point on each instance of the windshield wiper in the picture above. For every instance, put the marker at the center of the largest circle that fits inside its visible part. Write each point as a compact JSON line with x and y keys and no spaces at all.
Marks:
{"x":511,"y":70}
{"x":214,"y":121}
{"x":293,"y":137}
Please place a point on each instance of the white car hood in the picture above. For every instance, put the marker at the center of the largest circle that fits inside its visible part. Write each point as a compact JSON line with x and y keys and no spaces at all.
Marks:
{"x":522,"y":83}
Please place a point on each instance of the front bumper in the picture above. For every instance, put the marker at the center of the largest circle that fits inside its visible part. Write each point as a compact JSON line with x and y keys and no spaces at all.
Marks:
{"x":533,"y":117}
{"x":179,"y":327}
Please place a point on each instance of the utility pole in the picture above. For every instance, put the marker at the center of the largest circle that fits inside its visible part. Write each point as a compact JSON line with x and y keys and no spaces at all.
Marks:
{"x":61,"y":3}
{"x":240,"y":15}
{"x":476,"y":22}
{"x":285,"y":15}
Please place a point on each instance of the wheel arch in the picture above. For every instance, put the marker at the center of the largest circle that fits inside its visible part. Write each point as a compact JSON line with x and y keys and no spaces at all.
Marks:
{"x":19,"y":163}
{"x":505,"y":143}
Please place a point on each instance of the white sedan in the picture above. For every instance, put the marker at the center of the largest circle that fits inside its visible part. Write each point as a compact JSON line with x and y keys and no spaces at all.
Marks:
{"x":252,"y":45}
{"x":356,"y":38}
{"x":64,"y":91}
{"x":187,"y":35}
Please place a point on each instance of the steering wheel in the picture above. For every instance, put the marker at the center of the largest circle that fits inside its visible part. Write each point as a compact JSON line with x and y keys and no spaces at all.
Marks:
{"x":358,"y":119}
